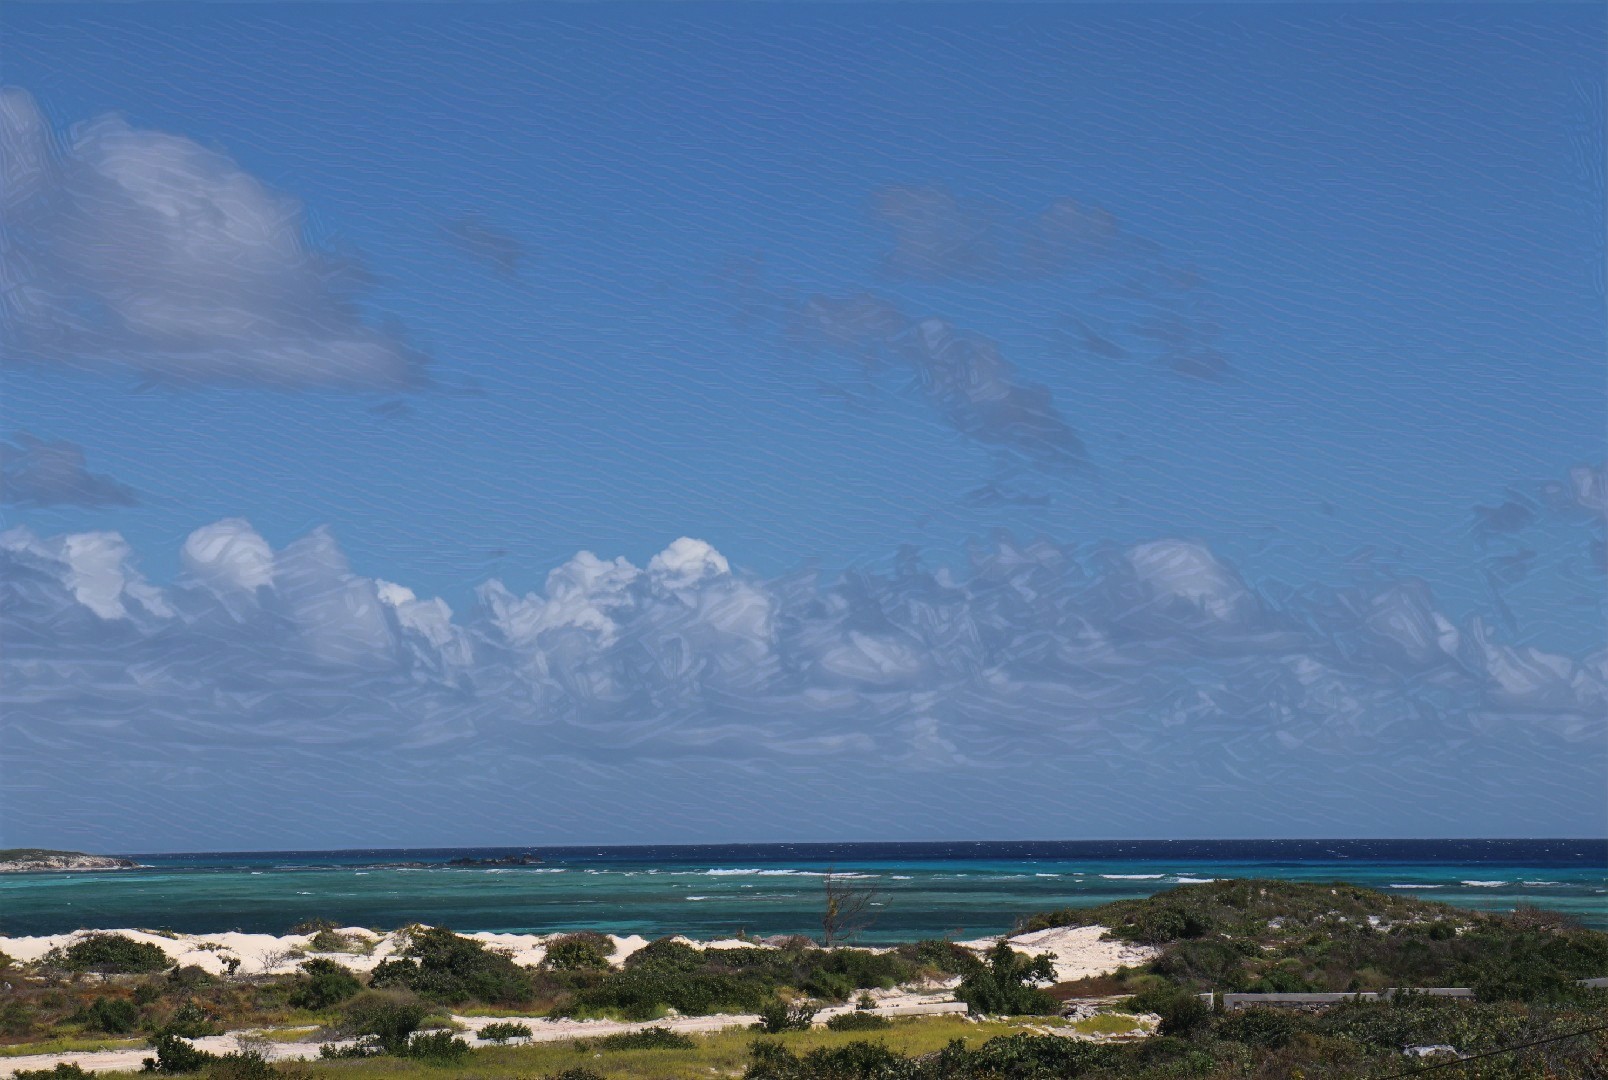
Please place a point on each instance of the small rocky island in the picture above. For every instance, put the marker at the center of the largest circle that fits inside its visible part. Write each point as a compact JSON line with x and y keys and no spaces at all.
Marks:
{"x":33,"y":860}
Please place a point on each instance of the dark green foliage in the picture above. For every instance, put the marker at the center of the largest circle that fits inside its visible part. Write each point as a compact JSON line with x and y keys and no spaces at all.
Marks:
{"x":189,"y":977}
{"x":109,"y":954}
{"x":585,"y":951}
{"x":241,"y":1065}
{"x":653,"y":1038}
{"x":944,"y":956}
{"x":115,"y":1016}
{"x":324,"y":985}
{"x":664,"y":955}
{"x":388,"y":1020}
{"x":176,"y":1055}
{"x":313,"y":926}
{"x":62,"y":1071}
{"x":504,"y":1030}
{"x":856,"y":1061}
{"x":858,"y":1021}
{"x":437,"y":1048}
{"x":1266,"y":1028}
{"x":578,"y":1073}
{"x":190,"y":1021}
{"x":15,"y":1018}
{"x":1002,"y":985}
{"x":439,"y":965}
{"x":778,"y":1016}
{"x":328,"y":941}
{"x":829,"y":986}
{"x":1280,"y":936}
{"x":1017,"y":1057}
{"x":1181,"y":1011}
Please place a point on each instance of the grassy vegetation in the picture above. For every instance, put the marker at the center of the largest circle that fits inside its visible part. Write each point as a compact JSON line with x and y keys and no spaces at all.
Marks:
{"x":69,"y":1045}
{"x":1280,"y":936}
{"x":1219,"y":935}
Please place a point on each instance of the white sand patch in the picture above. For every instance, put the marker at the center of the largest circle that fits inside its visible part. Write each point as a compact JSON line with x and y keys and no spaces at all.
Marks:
{"x":1080,"y":952}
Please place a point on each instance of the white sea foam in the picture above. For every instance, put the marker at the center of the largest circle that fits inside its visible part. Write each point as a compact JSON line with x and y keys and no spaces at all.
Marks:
{"x":1413,"y":886}
{"x":1542,"y":884}
{"x":1483,"y":884}
{"x":1182,"y":880}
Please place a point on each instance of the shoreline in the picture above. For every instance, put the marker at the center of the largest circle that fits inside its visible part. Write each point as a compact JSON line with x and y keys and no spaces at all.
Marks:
{"x":1079,"y":952}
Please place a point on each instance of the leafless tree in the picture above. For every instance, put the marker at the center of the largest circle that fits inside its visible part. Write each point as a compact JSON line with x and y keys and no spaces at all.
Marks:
{"x":850,"y":899}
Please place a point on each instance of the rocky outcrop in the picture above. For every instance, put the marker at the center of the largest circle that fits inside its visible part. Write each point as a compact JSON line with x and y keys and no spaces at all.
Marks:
{"x":33,"y":860}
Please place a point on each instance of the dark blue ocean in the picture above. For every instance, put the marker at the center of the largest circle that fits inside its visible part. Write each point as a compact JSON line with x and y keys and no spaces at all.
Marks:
{"x":928,"y":889}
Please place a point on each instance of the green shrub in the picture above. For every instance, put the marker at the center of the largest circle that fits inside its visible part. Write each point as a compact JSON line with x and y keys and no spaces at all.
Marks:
{"x":653,"y":1038}
{"x":176,"y":1055}
{"x":190,"y":1021}
{"x":585,"y":951}
{"x":578,"y":1073}
{"x":115,"y":1016}
{"x":439,"y":965}
{"x":313,"y":926}
{"x":437,"y":1048}
{"x":108,"y":954}
{"x":1181,"y":1011}
{"x":189,"y":977}
{"x":1002,"y":985}
{"x":324,"y":984}
{"x":1269,"y":1029}
{"x":665,"y":955}
{"x":1029,"y":1057}
{"x":386,"y":1018}
{"x":241,"y":1065}
{"x":828,"y":986}
{"x":504,"y":1030}
{"x":778,"y":1016}
{"x":858,"y":1021}
{"x":63,"y":1071}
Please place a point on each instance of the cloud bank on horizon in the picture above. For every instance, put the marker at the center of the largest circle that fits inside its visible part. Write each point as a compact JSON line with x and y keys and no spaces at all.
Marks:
{"x":1157,"y":662}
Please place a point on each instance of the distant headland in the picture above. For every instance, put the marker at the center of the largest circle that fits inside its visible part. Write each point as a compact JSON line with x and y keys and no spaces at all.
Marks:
{"x":34,"y":860}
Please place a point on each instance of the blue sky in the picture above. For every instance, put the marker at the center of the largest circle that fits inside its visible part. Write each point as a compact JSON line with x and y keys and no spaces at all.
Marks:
{"x":1282,"y":313}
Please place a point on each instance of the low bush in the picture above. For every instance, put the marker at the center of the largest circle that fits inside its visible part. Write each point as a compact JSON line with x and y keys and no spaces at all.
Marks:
{"x":111,"y":954}
{"x":241,"y":1065}
{"x":653,"y":1038}
{"x":388,"y":1019}
{"x":778,"y":1016}
{"x":115,"y":1016}
{"x":324,"y":985}
{"x":437,"y":1048}
{"x":585,"y":951}
{"x":1003,"y":984}
{"x":176,"y":1055}
{"x":858,"y":1021}
{"x":442,"y":966}
{"x":190,"y":1021}
{"x":504,"y":1030}
{"x":63,"y":1071}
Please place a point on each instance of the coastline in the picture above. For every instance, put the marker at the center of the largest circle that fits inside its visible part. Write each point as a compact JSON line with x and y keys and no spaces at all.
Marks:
{"x":1079,"y":952}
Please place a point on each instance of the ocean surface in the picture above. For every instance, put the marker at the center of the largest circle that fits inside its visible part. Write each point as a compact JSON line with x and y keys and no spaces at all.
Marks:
{"x":926,"y":890}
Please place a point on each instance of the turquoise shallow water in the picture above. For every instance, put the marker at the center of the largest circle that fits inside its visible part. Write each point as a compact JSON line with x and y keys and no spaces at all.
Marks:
{"x":714,"y":891}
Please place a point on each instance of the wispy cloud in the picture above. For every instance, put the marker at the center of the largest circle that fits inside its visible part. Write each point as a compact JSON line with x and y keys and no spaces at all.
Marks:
{"x":137,"y":250}
{"x":34,"y":472}
{"x":963,"y":376}
{"x":487,"y":243}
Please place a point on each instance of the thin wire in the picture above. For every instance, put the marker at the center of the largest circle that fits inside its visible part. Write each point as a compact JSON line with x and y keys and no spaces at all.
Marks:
{"x":1493,"y":1053}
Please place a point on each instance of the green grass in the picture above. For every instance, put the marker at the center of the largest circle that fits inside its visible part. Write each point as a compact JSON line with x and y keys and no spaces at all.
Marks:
{"x":69,"y":1045}
{"x":1107,"y":1024}
{"x":721,"y":1054}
